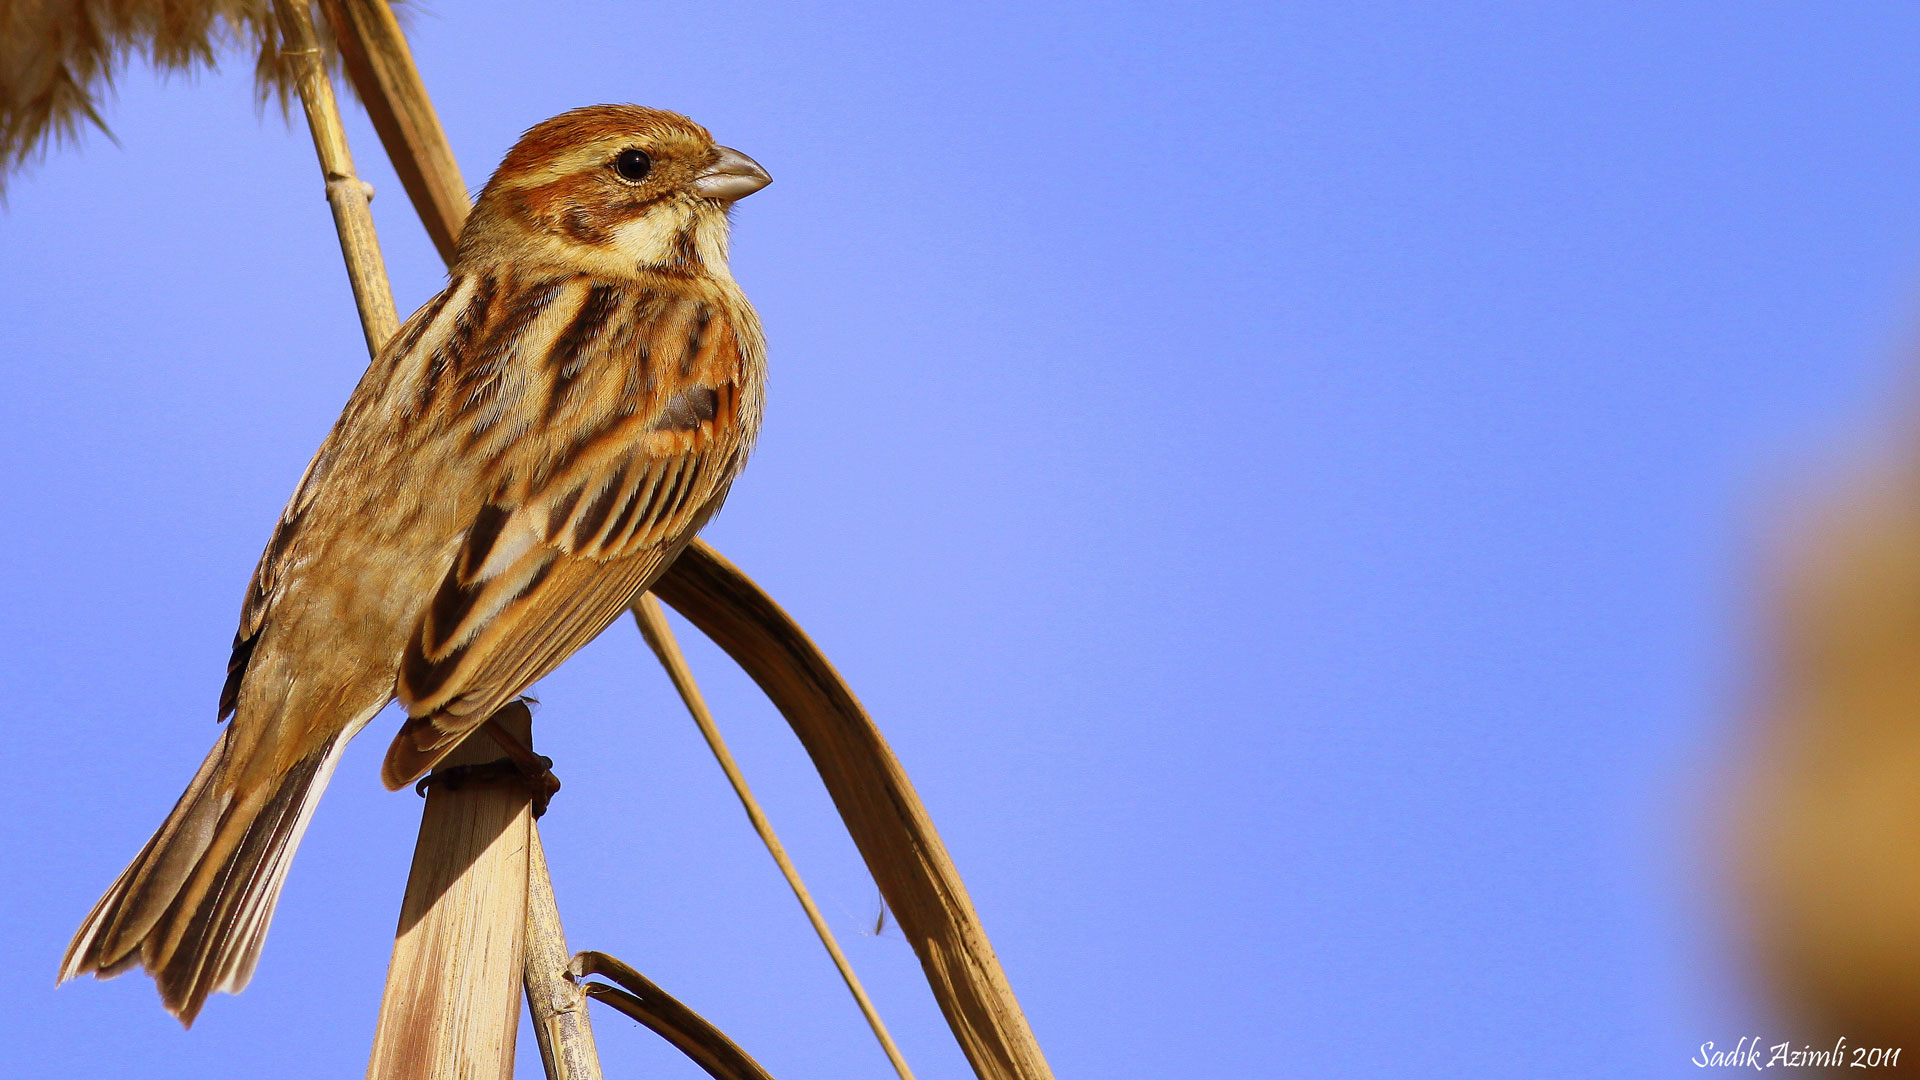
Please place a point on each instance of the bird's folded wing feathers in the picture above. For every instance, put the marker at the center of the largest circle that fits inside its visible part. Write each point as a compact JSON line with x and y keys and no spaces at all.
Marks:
{"x":560,"y":551}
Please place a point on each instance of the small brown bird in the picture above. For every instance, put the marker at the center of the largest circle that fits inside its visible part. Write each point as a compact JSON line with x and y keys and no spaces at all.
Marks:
{"x":529,"y":453}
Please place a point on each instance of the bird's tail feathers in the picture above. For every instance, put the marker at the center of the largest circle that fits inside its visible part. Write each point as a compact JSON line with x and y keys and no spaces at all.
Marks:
{"x":193,"y":907}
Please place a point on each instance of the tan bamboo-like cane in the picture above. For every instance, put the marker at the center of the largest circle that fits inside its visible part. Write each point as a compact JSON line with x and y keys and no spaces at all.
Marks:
{"x":375,"y":54}
{"x":451,"y":1010}
{"x":654,"y":627}
{"x":347,"y":194}
{"x":869,"y":787}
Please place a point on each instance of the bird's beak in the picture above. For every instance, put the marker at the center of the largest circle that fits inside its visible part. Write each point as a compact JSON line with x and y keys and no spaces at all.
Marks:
{"x":733,"y":176}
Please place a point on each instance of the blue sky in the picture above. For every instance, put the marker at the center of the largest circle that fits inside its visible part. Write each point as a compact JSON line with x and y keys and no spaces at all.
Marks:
{"x":1289,"y":480}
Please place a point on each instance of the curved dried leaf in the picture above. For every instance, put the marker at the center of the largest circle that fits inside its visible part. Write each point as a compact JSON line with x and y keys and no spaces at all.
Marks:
{"x":663,"y":1014}
{"x":877,"y":802}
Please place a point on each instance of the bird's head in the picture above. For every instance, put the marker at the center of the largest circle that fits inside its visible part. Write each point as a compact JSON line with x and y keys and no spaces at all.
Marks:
{"x":612,"y":189}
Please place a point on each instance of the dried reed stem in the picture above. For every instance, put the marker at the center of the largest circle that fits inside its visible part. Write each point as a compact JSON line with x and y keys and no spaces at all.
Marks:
{"x":451,"y":1009}
{"x":346,"y":193}
{"x":381,"y":66}
{"x":555,"y":1000}
{"x":653,"y":626}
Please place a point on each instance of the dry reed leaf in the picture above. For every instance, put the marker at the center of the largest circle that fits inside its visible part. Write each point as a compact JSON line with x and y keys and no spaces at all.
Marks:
{"x":876,"y":800}
{"x":663,"y":1014}
{"x":659,"y":635}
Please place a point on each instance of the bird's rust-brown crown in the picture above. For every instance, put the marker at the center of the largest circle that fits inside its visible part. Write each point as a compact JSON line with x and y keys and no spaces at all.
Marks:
{"x":619,"y":184}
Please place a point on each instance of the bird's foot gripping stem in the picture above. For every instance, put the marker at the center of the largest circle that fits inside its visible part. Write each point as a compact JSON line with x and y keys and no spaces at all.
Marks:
{"x":521,"y":765}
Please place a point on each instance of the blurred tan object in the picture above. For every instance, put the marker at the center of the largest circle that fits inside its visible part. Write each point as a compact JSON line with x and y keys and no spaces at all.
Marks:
{"x":1827,"y":826}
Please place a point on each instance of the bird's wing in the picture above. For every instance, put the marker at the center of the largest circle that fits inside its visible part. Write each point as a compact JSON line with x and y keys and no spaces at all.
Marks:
{"x":637,"y":446}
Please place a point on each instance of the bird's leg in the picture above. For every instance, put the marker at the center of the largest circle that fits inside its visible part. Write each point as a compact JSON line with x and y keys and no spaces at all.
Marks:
{"x":521,"y":765}
{"x":536,"y":769}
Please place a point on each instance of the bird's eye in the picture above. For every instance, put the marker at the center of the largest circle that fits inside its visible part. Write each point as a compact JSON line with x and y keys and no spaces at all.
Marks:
{"x":633,"y":165}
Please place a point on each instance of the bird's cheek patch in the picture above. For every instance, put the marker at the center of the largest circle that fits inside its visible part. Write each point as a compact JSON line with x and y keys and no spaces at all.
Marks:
{"x":650,"y":238}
